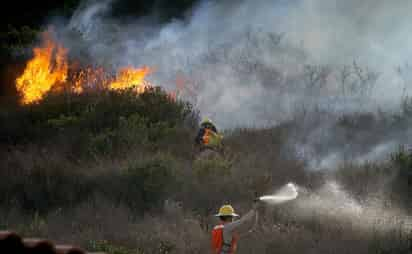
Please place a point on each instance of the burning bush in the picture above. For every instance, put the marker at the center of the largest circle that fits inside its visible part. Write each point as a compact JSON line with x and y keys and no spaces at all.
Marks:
{"x":50,"y":71}
{"x":47,"y":70}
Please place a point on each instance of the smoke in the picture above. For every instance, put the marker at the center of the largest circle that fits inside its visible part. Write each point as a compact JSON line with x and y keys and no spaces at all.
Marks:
{"x":260,"y":63}
{"x":374,"y":32}
{"x":332,"y":202}
{"x":87,"y":19}
{"x":247,"y":57}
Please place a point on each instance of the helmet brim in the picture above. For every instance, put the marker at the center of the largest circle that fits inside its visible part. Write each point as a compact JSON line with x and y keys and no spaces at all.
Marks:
{"x":233,"y":215}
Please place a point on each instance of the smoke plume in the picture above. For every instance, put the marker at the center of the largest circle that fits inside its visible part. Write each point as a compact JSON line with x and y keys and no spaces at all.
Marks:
{"x":260,"y":63}
{"x":333,"y":202}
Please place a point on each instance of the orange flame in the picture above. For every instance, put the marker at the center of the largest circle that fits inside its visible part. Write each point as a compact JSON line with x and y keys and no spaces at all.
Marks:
{"x":88,"y":78}
{"x":46,"y":70}
{"x":130,"y":77}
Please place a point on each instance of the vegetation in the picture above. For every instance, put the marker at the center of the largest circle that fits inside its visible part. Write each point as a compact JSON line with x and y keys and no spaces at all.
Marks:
{"x":119,"y":173}
{"x":73,"y":163}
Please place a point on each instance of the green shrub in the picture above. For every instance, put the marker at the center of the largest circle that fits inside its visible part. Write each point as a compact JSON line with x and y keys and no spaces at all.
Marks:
{"x":44,"y":187}
{"x":210,"y":168}
{"x":403,"y":159}
{"x":106,"y":247}
{"x":103,"y":143}
{"x":150,"y":115}
{"x":63,"y":121}
{"x":133,"y":130}
{"x":146,"y":184}
{"x":402,"y":183}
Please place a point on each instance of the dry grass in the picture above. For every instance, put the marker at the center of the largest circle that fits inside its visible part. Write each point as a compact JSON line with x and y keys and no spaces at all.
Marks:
{"x":152,"y":197}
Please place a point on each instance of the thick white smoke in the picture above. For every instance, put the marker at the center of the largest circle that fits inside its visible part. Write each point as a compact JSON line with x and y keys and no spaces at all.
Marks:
{"x":257,"y":63}
{"x":242,"y":54}
{"x":332,"y":202}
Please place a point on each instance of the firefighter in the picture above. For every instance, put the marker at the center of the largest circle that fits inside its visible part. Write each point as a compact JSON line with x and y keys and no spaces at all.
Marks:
{"x":225,"y":235}
{"x":208,"y":136}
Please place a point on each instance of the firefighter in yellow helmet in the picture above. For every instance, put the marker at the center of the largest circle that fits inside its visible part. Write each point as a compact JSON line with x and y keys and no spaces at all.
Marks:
{"x":208,"y":136}
{"x":225,"y":235}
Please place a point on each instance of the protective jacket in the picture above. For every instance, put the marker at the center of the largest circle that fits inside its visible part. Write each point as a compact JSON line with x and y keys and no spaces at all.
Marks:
{"x":219,"y":245}
{"x":225,"y":236}
{"x":208,"y":135}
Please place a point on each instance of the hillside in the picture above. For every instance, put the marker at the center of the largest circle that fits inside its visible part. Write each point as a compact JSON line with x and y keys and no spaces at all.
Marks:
{"x":72,"y":163}
{"x":101,"y":101}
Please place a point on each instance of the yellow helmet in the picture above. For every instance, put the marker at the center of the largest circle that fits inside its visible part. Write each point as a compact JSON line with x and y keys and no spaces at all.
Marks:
{"x":227,"y":210}
{"x":206,"y":120}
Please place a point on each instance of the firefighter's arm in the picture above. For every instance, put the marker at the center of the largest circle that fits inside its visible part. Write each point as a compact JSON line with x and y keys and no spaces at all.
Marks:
{"x":248,"y":217}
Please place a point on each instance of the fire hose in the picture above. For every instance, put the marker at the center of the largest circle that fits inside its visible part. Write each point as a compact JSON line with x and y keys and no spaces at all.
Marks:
{"x":287,"y":193}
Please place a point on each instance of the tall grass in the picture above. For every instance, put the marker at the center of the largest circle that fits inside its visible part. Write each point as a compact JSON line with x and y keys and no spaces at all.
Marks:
{"x":117,"y":172}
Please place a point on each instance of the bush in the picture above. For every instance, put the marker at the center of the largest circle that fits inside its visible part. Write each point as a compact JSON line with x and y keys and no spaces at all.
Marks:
{"x":43,"y":187}
{"x":106,"y":247}
{"x":98,"y":124}
{"x":403,"y":160}
{"x":402,"y":183}
{"x":119,"y":168}
{"x":145,"y":185}
{"x":209,"y":169}
{"x":103,"y":143}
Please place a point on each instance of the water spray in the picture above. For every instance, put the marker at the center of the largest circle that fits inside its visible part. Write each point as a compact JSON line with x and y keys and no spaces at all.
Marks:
{"x":286,"y":193}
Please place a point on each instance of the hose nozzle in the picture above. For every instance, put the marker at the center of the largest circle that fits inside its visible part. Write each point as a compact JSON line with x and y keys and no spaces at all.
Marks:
{"x":256,"y":199}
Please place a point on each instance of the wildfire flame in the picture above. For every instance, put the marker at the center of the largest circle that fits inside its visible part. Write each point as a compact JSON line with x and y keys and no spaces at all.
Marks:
{"x":90,"y":78}
{"x":49,"y":68}
{"x":46,"y":70}
{"x":130,"y":77}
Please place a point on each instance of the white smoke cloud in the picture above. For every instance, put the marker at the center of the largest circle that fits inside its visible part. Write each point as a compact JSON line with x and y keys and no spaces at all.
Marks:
{"x":87,"y":18}
{"x":332,"y":201}
{"x":246,"y":59}
{"x":228,"y":47}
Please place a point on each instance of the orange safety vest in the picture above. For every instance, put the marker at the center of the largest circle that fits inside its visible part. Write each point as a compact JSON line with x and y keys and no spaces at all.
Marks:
{"x":218,"y":245}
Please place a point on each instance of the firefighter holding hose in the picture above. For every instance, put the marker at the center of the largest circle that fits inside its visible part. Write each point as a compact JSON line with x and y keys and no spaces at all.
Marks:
{"x":225,"y":235}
